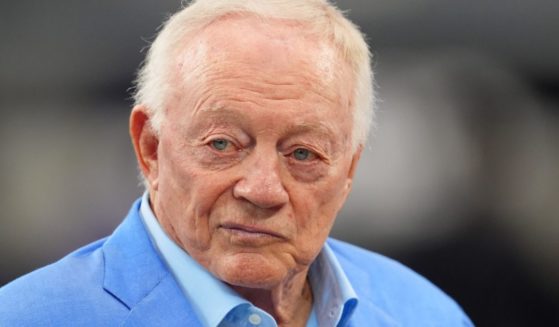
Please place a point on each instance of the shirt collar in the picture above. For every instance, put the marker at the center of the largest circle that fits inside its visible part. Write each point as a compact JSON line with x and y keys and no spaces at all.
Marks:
{"x":334,"y":297}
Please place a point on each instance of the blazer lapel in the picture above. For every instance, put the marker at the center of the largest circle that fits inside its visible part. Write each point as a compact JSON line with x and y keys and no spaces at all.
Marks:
{"x":136,"y":276}
{"x":165,"y":305}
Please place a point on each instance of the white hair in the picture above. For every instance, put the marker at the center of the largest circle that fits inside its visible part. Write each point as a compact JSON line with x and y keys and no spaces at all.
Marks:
{"x":153,"y":84}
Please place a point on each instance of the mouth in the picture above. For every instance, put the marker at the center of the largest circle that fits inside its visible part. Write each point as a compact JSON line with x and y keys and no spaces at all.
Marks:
{"x":249,"y":234}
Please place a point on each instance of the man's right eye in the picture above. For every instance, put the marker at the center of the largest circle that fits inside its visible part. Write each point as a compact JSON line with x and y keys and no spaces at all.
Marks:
{"x":220,"y":144}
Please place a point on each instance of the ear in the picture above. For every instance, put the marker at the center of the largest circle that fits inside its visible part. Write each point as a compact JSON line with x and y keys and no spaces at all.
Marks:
{"x":146,"y":143}
{"x":353,"y":166}
{"x":354,"y":161}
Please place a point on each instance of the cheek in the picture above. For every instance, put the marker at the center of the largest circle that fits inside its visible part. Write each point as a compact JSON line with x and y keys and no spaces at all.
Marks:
{"x":186,"y":196}
{"x":316,"y":208}
{"x":330,"y":193}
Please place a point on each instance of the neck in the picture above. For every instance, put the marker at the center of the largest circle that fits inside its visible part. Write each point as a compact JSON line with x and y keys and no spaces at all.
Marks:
{"x":290,"y":303}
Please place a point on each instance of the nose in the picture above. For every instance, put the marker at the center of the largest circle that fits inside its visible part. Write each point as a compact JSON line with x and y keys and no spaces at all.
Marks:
{"x":261,"y":183}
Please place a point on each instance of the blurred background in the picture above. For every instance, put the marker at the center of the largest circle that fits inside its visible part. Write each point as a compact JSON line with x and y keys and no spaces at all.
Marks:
{"x":460,"y":180}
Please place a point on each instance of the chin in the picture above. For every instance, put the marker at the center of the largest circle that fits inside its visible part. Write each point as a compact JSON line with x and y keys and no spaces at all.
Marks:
{"x":250,"y":270}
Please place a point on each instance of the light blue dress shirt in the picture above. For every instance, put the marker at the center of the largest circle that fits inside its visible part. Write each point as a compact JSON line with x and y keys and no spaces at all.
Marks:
{"x":218,"y":305}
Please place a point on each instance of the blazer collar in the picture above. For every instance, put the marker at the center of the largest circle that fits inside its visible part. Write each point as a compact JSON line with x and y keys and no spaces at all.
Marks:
{"x":136,"y":276}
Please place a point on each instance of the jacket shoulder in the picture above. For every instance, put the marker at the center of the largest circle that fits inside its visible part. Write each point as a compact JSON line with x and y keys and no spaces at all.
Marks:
{"x":408,"y":298}
{"x":70,"y":289}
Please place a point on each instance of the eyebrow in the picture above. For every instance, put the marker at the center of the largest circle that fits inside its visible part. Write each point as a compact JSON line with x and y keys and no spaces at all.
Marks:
{"x":225,"y":112}
{"x":323,"y":131}
{"x":314,"y":127}
{"x":220,"y":114}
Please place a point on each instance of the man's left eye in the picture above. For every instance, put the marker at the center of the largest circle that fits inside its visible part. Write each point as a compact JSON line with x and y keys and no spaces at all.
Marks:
{"x":302,"y":154}
{"x":220,"y":144}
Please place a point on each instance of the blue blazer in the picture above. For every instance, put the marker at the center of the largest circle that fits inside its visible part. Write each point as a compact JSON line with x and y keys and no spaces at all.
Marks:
{"x":122,"y":281}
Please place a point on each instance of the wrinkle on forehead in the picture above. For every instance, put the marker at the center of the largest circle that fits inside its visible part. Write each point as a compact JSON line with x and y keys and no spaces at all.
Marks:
{"x":271,"y":58}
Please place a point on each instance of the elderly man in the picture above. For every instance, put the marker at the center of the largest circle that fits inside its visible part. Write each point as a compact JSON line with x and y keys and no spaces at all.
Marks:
{"x":249,"y":121}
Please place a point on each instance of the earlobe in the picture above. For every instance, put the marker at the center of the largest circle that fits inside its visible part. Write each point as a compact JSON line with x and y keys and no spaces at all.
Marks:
{"x":145,"y":142}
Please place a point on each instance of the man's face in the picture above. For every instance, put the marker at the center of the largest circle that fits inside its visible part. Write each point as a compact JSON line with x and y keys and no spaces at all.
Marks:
{"x":254,"y":157}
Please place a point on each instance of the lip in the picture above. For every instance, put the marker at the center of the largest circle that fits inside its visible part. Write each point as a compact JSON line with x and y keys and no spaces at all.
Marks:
{"x":250,"y":231}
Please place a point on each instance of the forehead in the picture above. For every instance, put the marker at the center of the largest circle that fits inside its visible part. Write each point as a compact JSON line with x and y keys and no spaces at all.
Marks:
{"x":272,"y":63}
{"x":271,"y":46}
{"x":258,"y":42}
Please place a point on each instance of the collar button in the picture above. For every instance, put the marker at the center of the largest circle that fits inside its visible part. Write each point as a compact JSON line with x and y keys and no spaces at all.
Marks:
{"x":254,"y":319}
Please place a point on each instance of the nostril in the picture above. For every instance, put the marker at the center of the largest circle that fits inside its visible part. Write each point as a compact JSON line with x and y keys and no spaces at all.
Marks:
{"x":260,"y":193}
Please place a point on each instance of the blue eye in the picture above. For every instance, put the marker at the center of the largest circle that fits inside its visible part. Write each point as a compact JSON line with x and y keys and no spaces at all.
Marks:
{"x":301,"y":154}
{"x":220,"y":144}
